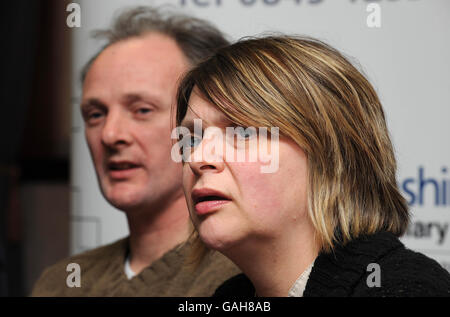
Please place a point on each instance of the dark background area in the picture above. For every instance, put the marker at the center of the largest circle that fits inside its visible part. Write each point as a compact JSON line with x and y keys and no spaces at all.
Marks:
{"x":35,"y":145}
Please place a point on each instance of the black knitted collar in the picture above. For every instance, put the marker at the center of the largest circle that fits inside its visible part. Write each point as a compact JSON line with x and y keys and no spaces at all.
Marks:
{"x":336,"y":273}
{"x":333,"y":274}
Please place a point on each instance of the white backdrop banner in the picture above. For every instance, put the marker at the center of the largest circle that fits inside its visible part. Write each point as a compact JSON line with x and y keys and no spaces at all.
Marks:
{"x":404,"y":49}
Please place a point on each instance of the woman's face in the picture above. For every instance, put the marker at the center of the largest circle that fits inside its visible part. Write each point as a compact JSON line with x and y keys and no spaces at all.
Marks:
{"x":232,"y":201}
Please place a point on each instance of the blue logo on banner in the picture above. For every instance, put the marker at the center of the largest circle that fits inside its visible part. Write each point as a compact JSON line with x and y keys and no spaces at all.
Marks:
{"x":423,"y":190}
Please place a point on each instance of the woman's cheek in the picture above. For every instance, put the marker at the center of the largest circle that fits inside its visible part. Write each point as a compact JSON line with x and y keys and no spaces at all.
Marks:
{"x":259,"y":191}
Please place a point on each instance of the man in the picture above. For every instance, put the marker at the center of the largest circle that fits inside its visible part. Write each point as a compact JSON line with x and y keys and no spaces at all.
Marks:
{"x":129,"y":89}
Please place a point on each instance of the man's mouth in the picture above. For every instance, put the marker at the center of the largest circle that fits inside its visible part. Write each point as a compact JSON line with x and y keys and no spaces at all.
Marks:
{"x":121,"y":166}
{"x":122,"y":169}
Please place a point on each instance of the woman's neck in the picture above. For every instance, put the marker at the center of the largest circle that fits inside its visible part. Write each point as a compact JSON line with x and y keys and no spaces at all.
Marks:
{"x":273,"y":265}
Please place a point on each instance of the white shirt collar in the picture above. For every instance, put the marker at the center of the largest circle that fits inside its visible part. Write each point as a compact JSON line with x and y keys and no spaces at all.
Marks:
{"x":300,"y":284}
{"x":128,"y":271}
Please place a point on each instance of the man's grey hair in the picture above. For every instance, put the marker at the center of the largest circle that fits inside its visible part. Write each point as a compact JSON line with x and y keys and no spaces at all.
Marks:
{"x":197,"y":39}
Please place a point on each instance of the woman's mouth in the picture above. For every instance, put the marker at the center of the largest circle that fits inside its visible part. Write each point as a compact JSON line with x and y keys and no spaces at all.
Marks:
{"x":208,"y":200}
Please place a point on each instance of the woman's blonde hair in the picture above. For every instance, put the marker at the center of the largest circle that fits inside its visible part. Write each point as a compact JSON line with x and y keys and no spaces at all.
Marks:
{"x":321,"y":101}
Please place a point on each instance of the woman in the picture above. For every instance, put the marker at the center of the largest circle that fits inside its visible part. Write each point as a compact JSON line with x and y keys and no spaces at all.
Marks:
{"x":326,"y":221}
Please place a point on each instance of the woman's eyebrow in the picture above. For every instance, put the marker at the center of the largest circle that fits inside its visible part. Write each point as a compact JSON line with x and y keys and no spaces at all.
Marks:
{"x":222,"y":120}
{"x":218,"y":120}
{"x":187,"y":124}
{"x":190,"y":124}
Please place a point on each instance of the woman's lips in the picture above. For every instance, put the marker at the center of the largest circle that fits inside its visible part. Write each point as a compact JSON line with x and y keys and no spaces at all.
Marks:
{"x":207,"y":200}
{"x":208,"y":206}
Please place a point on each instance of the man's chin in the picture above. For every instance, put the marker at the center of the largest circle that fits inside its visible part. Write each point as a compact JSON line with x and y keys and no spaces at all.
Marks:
{"x":125,"y":200}
{"x":125,"y":206}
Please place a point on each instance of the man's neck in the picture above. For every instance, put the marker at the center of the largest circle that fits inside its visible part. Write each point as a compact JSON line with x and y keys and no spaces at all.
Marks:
{"x":155,"y":232}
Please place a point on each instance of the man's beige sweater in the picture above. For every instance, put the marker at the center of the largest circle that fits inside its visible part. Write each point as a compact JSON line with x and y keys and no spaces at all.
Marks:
{"x":103,"y":274}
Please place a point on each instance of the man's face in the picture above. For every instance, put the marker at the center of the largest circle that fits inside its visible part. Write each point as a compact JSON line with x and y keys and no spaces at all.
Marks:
{"x":127,"y":98}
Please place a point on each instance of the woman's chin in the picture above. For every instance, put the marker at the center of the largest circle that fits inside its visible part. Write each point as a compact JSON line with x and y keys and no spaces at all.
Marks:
{"x":217,"y":242}
{"x":221,"y":233}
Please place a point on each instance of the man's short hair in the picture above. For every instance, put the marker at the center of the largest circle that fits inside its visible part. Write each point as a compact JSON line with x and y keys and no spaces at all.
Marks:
{"x":197,"y":38}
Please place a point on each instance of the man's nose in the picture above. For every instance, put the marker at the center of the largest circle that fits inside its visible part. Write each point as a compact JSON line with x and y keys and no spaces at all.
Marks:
{"x":116,"y":131}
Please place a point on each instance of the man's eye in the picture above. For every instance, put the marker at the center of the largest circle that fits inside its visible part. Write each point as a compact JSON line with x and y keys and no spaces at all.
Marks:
{"x":94,"y":115}
{"x":144,"y":110}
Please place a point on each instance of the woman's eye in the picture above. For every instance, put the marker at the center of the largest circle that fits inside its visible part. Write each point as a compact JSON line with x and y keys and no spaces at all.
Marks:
{"x":245,"y":133}
{"x":194,"y":141}
{"x":190,"y":142}
{"x":188,"y":145}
